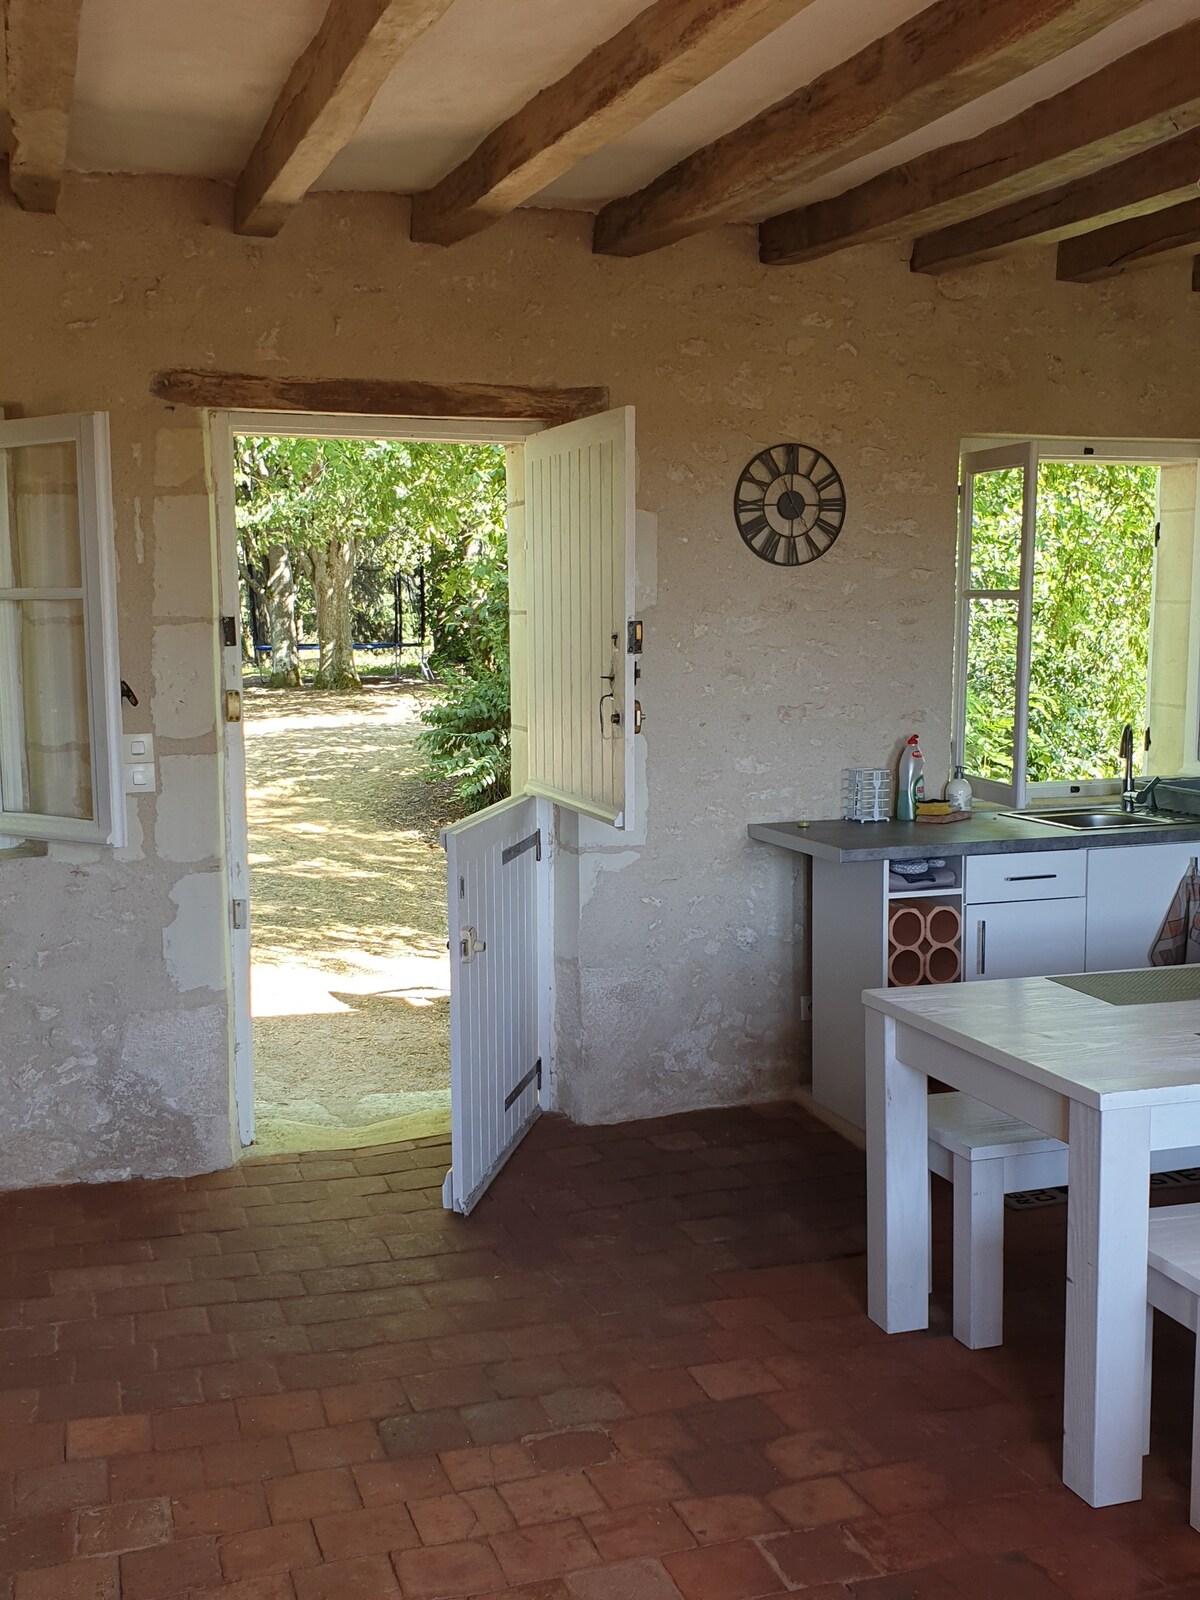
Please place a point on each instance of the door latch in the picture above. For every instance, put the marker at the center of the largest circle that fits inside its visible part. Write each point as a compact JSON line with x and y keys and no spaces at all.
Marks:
{"x":240,"y":912}
{"x":470,"y":945}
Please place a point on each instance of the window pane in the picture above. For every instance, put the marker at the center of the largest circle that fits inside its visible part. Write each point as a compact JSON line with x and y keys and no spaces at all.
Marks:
{"x":45,"y":742}
{"x":991,"y":688}
{"x":1091,"y":616}
{"x":41,"y":549}
{"x":996,"y":499}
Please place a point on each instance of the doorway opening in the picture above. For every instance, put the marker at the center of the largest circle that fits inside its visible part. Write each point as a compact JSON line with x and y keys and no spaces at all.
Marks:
{"x":373,"y":587}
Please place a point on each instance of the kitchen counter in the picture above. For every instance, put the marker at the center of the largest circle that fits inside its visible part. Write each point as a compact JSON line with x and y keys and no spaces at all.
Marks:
{"x":986,"y":834}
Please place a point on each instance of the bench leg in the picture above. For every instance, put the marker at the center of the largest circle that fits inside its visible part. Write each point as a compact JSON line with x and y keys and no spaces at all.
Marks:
{"x":1194,"y":1516}
{"x":1149,"y":1376}
{"x":978,"y":1252}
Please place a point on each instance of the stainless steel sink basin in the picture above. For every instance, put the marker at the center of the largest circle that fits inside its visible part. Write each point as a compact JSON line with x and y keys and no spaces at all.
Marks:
{"x":1100,"y":818}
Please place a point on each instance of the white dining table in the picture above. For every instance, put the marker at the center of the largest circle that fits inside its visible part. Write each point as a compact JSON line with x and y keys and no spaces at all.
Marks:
{"x":1115,"y":1081}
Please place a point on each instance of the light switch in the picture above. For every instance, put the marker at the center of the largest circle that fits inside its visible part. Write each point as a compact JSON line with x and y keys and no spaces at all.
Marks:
{"x":140,"y":776}
{"x":139,"y":747}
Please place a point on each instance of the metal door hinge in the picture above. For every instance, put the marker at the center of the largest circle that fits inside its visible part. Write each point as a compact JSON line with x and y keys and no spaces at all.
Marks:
{"x":240,"y":913}
{"x":633,"y":644}
{"x":513,"y":851}
{"x":233,"y":705}
{"x":229,"y":630}
{"x":534,"y":1075}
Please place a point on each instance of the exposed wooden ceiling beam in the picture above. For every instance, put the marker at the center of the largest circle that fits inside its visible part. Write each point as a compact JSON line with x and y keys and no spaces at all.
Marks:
{"x":949,"y":54}
{"x":327,"y":94}
{"x":1143,"y":99}
{"x":1142,"y":241}
{"x":41,"y":39}
{"x":1160,"y":177}
{"x":373,"y":397}
{"x":666,"y":50}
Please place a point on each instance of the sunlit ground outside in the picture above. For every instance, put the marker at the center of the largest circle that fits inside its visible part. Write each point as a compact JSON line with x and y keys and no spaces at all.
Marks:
{"x":351,"y":976}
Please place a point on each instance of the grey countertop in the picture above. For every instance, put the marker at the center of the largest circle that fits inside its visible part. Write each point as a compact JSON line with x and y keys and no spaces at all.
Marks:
{"x":986,"y":834}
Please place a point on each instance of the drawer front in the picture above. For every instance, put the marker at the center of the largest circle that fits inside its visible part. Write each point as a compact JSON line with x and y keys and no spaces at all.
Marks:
{"x":1020,"y":939}
{"x":1028,"y":875}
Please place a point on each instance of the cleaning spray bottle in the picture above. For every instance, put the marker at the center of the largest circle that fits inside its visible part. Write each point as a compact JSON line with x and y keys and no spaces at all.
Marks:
{"x":910,"y":787}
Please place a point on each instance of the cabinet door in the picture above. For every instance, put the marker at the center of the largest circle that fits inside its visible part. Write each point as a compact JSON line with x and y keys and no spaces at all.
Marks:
{"x":1128,"y":892}
{"x":1023,"y":938}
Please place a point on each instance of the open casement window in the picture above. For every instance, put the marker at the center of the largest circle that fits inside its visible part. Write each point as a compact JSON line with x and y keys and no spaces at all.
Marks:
{"x":998,"y":520}
{"x":60,"y":776}
{"x":582,"y":642}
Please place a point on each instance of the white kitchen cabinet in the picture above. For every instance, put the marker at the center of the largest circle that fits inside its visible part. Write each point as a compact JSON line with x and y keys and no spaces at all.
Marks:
{"x":1024,"y":938}
{"x":1128,"y":892}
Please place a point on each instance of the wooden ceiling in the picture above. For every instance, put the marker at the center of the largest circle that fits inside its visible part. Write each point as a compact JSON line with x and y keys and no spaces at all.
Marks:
{"x":972,"y":128}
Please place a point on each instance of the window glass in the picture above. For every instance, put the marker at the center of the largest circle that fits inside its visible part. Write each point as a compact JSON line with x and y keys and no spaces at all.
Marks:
{"x":42,"y":549}
{"x":991,"y":688}
{"x":996,"y":501}
{"x":57,"y":748}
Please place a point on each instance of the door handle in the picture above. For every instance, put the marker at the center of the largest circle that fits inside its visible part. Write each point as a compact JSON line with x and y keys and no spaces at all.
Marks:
{"x":470,"y":945}
{"x":980,"y":948}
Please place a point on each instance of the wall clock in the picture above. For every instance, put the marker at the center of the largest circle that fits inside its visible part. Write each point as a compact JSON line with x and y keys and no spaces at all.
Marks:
{"x":789,"y":504}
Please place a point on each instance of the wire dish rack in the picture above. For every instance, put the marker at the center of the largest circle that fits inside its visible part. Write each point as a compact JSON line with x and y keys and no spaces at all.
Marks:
{"x":867,"y":794}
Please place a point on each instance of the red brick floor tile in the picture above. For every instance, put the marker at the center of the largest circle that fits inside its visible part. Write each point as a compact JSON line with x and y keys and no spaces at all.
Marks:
{"x":129,"y":1525}
{"x":904,"y":1540}
{"x":637,"y":1531}
{"x":624,"y":1580}
{"x":231,"y":1509}
{"x":170,"y":1570}
{"x":594,"y":1403}
{"x":93,"y":1579}
{"x":359,"y":1578}
{"x":545,"y":1551}
{"x":813,"y":1454}
{"x":282,"y":1548}
{"x":357,"y":1402}
{"x":812,"y":1502}
{"x":342,"y":1446}
{"x":736,"y":1571}
{"x":449,"y":1570}
{"x":108,"y":1436}
{"x":502,"y":1421}
{"x":664,"y":1435}
{"x":578,"y":1447}
{"x":365,"y":1532}
{"x":60,"y":1488}
{"x":414,"y":1478}
{"x":428,"y":1431}
{"x":1095,"y":1570}
{"x":184,"y":1426}
{"x":305,"y":1495}
{"x":160,"y":1472}
{"x":649,"y":1392}
{"x":31,"y":1445}
{"x":451,"y":1518}
{"x":247,"y":1461}
{"x":550,"y":1497}
{"x":41,"y":1541}
{"x":729,"y":1470}
{"x":631,"y":1483}
{"x":730,"y":1380}
{"x":723,"y":1518}
{"x":280,"y":1413}
{"x":485,"y":1465}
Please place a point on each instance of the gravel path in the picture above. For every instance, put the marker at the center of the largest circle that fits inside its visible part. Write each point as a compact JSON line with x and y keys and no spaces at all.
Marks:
{"x":351,"y":977}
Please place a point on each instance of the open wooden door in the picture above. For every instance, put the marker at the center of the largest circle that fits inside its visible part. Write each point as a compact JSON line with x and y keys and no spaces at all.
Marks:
{"x":584,"y":641}
{"x":495,"y":867}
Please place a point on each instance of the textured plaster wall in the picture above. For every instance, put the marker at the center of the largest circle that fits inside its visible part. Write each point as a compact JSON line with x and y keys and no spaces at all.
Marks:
{"x":681,"y":953}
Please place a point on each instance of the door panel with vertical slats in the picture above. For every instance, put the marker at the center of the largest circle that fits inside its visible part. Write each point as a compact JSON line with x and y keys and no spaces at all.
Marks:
{"x":579,"y":521}
{"x":493,"y":862}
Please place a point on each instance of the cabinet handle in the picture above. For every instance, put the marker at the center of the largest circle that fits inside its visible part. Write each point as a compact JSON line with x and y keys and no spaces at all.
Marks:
{"x":1030,"y":877}
{"x":980,"y":948}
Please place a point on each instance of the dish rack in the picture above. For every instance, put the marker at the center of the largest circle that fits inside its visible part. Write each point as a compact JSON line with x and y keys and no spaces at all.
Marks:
{"x":867,"y":794}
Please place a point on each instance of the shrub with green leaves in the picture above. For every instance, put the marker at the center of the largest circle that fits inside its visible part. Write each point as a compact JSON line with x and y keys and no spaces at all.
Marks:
{"x":466,"y":734}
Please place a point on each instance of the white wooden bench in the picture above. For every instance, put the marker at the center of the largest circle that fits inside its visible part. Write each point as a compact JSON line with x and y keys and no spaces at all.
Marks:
{"x":1173,"y":1287}
{"x":986,"y":1155}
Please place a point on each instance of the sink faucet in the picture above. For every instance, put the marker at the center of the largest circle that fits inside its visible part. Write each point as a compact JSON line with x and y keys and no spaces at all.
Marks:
{"x":1128,"y":792}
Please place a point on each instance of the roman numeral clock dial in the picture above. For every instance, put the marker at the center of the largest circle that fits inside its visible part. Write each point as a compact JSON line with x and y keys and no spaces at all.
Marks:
{"x":789,"y":504}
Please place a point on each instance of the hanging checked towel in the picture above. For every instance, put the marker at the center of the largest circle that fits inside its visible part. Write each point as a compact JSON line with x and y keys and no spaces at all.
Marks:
{"x":1177,"y":942}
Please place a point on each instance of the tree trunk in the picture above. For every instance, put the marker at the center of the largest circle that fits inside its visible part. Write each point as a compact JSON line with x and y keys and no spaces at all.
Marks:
{"x":332,"y":566}
{"x":281,"y":618}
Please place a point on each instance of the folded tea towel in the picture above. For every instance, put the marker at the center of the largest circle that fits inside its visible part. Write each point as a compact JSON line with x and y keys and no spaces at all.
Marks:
{"x":1177,"y":942}
{"x":936,"y":878}
{"x":914,"y":871}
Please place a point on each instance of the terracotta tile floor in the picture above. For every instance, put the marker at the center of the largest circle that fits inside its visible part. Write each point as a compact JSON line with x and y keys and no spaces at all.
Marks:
{"x":641,"y":1371}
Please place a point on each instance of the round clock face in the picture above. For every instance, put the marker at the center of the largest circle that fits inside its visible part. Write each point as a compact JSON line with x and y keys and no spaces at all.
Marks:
{"x":790,"y":504}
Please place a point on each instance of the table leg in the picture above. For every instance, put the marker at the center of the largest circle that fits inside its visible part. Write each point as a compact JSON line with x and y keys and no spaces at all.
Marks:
{"x":897,"y":1184}
{"x":1107,"y":1225}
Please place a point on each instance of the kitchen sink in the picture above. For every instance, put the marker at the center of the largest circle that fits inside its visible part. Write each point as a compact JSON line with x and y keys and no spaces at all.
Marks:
{"x":1101,"y":818}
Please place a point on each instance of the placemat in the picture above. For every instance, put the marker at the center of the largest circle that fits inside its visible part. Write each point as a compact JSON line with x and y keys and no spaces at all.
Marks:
{"x":1151,"y":986}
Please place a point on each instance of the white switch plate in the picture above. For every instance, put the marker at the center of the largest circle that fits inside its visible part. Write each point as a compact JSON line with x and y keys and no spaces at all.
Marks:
{"x":140,"y":776}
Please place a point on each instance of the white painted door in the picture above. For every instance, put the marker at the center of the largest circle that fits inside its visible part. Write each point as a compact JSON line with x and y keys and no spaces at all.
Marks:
{"x":1128,"y":892}
{"x":583,"y":637}
{"x":1023,"y":938}
{"x":497,"y":867}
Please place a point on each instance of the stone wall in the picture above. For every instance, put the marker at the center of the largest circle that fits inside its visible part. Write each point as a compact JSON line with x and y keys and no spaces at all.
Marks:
{"x":681,"y":946}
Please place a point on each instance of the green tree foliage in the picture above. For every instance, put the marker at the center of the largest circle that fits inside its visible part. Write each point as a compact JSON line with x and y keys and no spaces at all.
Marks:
{"x":334,"y":506}
{"x":1089,"y":641}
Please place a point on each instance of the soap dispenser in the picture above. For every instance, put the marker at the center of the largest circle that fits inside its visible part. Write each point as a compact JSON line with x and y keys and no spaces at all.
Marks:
{"x":958,"y":791}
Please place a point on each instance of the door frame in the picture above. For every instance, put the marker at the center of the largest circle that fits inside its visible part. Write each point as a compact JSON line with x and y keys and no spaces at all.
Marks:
{"x":220,"y":429}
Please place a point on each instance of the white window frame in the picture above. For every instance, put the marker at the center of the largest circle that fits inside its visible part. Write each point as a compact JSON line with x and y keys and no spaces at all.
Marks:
{"x":88,"y":432}
{"x":988,"y":454}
